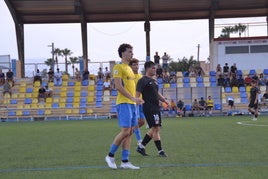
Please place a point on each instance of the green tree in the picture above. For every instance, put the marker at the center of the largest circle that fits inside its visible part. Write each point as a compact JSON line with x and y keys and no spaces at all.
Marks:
{"x":49,"y":62}
{"x":182,"y":64}
{"x":57,"y":52}
{"x":240,"y":29}
{"x":73,"y":60}
{"x":66,"y":52}
{"x":226,"y":31}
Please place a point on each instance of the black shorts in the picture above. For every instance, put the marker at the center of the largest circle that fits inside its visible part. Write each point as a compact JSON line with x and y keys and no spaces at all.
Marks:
{"x":253,"y":105}
{"x":231,"y":103}
{"x":153,"y":117}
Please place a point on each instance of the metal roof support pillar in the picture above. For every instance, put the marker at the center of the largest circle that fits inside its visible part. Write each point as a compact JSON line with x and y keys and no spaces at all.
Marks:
{"x":147,"y":28}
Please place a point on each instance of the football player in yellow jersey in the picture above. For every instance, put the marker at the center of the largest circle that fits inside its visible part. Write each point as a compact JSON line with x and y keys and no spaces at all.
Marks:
{"x":134,"y":64}
{"x":126,"y":108}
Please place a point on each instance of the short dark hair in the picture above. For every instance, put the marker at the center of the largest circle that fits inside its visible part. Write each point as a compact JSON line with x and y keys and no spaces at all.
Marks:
{"x":122,"y":48}
{"x":134,"y":60}
{"x":148,"y":64}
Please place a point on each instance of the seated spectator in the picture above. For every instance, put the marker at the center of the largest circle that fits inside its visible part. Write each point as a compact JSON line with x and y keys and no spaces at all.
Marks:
{"x":85,"y":75}
{"x":172,"y":77}
{"x":262,"y":80}
{"x":7,"y":88}
{"x":220,"y":80}
{"x":58,"y":78}
{"x":100,"y":74}
{"x":49,"y":92}
{"x":264,"y":100}
{"x":2,"y":78}
{"x":230,"y":100}
{"x":42,"y":93}
{"x":181,"y":109}
{"x":255,"y":77}
{"x":226,"y":70}
{"x":37,"y":76}
{"x":218,"y":71}
{"x":226,"y":81}
{"x":164,"y":106}
{"x":165,"y":77}
{"x":233,"y":70}
{"x":107,"y":73}
{"x":234,"y":81}
{"x":50,"y":74}
{"x":199,"y":71}
{"x":210,"y":105}
{"x":9,"y":76}
{"x":192,"y":72}
{"x":195,"y":106}
{"x":248,"y":80}
{"x":159,"y":71}
{"x":240,"y":81}
{"x":202,"y":106}
{"x":172,"y":105}
{"x":77,"y":75}
{"x":106,"y":85}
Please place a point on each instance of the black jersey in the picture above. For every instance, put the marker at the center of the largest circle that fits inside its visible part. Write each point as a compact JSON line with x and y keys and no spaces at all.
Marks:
{"x":253,"y":93}
{"x":148,"y":87}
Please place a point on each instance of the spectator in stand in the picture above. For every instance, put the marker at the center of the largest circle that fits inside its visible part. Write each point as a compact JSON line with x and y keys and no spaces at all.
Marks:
{"x":226,"y":70}
{"x":262,"y":80}
{"x":2,"y":78}
{"x":156,"y":58}
{"x":256,"y":78}
{"x":49,"y":92}
{"x":233,"y":70}
{"x":77,"y":75}
{"x":199,"y":71}
{"x":37,"y":76}
{"x":85,"y":75}
{"x":172,"y":105}
{"x":195,"y":106}
{"x":42,"y":93}
{"x":192,"y":72}
{"x":210,"y":105}
{"x":172,"y":77}
{"x":107,"y":73}
{"x":220,"y":80}
{"x":240,"y":81}
{"x":165,"y":77}
{"x":230,"y":100}
{"x":202,"y":106}
{"x":50,"y":74}
{"x":159,"y":71}
{"x":100,"y":74}
{"x":264,"y":100}
{"x":218,"y":70}
{"x":106,"y":85}
{"x":7,"y":88}
{"x":165,"y":59}
{"x":112,"y":84}
{"x":58,"y":78}
{"x":10,"y":77}
{"x":226,"y":81}
{"x":181,"y":109}
{"x":248,"y":80}
{"x":234,"y":81}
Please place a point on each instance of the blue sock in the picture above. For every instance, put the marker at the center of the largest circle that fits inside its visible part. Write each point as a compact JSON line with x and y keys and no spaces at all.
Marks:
{"x":137,"y":133}
{"x":113,"y":148}
{"x":125,"y":155}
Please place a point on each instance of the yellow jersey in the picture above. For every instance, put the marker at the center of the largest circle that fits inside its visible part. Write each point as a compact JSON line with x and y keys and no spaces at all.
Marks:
{"x":125,"y":73}
{"x":210,"y":103}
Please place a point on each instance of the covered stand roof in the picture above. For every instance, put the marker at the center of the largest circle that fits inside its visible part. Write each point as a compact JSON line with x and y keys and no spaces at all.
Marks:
{"x":86,"y":11}
{"x":69,"y":11}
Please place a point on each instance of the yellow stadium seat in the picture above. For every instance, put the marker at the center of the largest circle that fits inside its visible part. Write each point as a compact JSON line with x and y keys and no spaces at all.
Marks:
{"x":91,"y":82}
{"x":77,"y":88}
{"x":65,"y":77}
{"x":77,"y":94}
{"x":235,"y":89}
{"x":19,"y":112}
{"x":14,"y":96}
{"x":49,"y":100}
{"x":92,"y":77}
{"x":91,"y":88}
{"x":166,"y":85}
{"x":28,"y":95}
{"x":248,"y":88}
{"x":56,"y":100}
{"x":6,"y":101}
{"x":41,"y":105}
{"x":22,"y":89}
{"x":90,"y":99}
{"x":62,"y":100}
{"x":37,"y":84}
{"x":91,"y":93}
{"x":179,"y":74}
{"x":76,"y":99}
{"x":34,"y":105}
{"x":75,"y":111}
{"x":47,"y":112}
{"x":77,"y":83}
{"x":50,"y":84}
{"x":62,"y":104}
{"x":75,"y":105}
{"x":63,"y":94}
{"x":89,"y":111}
{"x":21,"y":95}
{"x":48,"y":105}
{"x":64,"y":83}
{"x":106,"y":93}
{"x":68,"y":111}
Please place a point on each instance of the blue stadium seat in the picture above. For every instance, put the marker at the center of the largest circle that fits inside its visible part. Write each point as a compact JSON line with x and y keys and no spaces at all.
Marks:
{"x":212,"y":79}
{"x":200,"y":85}
{"x":83,"y":100}
{"x":13,"y":101}
{"x":11,"y":113}
{"x":265,"y":72}
{"x":186,"y":85}
{"x":244,"y":100}
{"x":99,"y":82}
{"x":84,"y":83}
{"x":113,"y":109}
{"x":160,"y":86}
{"x":199,"y":79}
{"x":228,"y":89}
{"x":242,"y":89}
{"x":28,"y":101}
{"x":40,"y":112}
{"x":243,"y":95}
{"x":98,"y":99}
{"x":252,"y":72}
{"x":70,"y":94}
{"x":186,"y":80}
{"x":114,"y":92}
{"x":55,"y":105}
{"x":69,"y":105}
{"x":99,"y":93}
{"x":239,"y":72}
{"x":212,"y":73}
{"x":82,"y":105}
{"x":82,"y":111}
{"x":98,"y":104}
{"x":83,"y":94}
{"x":159,"y":80}
{"x":71,"y":83}
{"x":26,"y":113}
{"x":173,"y":85}
{"x":217,"y":106}
{"x":69,"y":100}
{"x":99,"y":88}
{"x":213,"y":84}
{"x":29,"y":90}
{"x":188,"y":107}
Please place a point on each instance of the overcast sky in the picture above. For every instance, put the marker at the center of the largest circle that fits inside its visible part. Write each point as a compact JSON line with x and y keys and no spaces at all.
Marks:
{"x":178,"y":38}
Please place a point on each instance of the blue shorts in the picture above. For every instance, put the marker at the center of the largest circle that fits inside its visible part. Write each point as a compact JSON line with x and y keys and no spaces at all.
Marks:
{"x":140,"y":112}
{"x":127,"y":115}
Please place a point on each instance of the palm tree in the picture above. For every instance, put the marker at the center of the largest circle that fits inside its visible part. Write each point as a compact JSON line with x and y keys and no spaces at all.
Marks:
{"x":57,"y":52}
{"x":73,"y":60}
{"x":49,"y":62}
{"x":66,"y":52}
{"x":240,"y":29}
{"x":226,"y":31}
